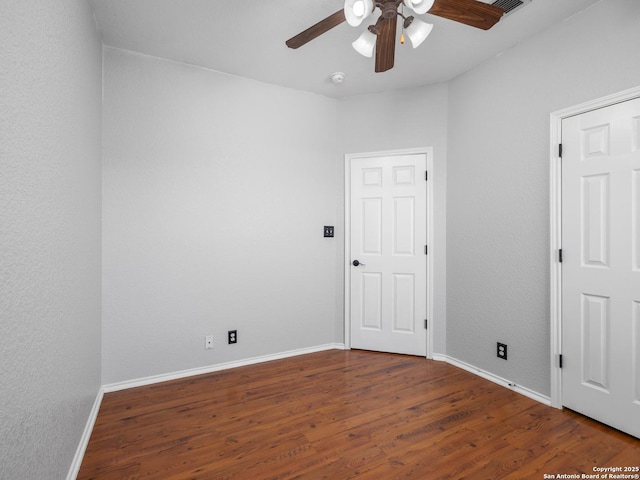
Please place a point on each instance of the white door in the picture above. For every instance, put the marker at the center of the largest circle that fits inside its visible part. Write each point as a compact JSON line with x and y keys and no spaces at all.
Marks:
{"x":388,"y":261}
{"x":601,"y":265}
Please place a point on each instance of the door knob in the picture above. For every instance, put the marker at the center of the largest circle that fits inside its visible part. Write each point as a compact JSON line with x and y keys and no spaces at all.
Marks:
{"x":355,"y":263}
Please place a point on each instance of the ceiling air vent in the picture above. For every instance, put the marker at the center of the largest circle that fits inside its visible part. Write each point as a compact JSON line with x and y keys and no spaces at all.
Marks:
{"x":510,"y":6}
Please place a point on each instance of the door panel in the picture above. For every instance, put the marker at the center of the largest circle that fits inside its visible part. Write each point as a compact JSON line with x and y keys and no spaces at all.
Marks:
{"x":636,"y":220}
{"x":636,"y":350}
{"x":600,"y":274}
{"x":403,"y":226}
{"x":403,"y":298}
{"x":371,"y":232}
{"x":388,"y":229}
{"x":595,"y":341}
{"x":370,"y":307}
{"x":596,"y":222}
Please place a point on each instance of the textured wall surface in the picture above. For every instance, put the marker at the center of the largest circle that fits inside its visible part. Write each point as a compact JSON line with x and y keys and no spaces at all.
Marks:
{"x":409,"y":118}
{"x":50,"y":187}
{"x":498,"y":182}
{"x":216,"y":191}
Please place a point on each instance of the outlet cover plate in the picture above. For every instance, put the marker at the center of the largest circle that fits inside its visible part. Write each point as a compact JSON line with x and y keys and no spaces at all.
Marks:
{"x":501,"y":351}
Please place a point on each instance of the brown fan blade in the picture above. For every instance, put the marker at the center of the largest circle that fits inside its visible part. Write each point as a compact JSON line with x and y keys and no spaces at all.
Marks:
{"x":386,"y":43}
{"x":470,"y":12}
{"x":316,"y":30}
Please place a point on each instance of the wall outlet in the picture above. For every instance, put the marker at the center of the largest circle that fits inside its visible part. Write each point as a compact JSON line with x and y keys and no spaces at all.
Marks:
{"x":502,"y":351}
{"x":208,"y":342}
{"x":233,"y":336}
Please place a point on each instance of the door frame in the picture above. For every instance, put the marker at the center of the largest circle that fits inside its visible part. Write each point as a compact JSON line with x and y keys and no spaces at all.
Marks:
{"x":428,"y":152}
{"x":555,"y":204}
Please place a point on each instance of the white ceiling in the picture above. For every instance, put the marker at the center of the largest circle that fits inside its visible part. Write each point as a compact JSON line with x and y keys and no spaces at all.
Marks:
{"x":247,"y":38}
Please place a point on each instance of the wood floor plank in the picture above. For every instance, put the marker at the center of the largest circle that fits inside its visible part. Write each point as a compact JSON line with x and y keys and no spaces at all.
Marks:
{"x":340,"y":415}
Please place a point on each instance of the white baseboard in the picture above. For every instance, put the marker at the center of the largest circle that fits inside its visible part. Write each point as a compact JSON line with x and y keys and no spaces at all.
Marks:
{"x":139,"y":382}
{"x":86,"y":435}
{"x":494,"y":378}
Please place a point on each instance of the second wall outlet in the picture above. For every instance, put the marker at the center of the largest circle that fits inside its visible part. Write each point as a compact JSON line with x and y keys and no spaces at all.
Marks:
{"x":502,"y":350}
{"x":233,"y":336}
{"x":208,"y":342}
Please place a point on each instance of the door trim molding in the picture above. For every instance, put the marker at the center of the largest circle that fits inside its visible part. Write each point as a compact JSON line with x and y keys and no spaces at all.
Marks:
{"x":555,"y":230}
{"x":428,"y":152}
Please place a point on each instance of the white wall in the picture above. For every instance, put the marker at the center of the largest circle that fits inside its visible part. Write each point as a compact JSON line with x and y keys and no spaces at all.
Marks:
{"x":498,"y":182}
{"x":50,"y":129}
{"x":216,"y":191}
{"x":398,"y":120}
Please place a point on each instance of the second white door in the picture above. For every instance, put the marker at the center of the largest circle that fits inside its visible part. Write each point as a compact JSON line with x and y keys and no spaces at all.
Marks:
{"x":388,"y":261}
{"x":601,"y":265}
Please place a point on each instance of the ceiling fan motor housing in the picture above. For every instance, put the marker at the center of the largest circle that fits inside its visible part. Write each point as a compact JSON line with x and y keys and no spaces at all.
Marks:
{"x":389,"y":10}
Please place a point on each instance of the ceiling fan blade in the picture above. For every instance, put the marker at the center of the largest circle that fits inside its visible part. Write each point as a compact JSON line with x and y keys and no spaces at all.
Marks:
{"x":316,"y":30}
{"x":470,"y":12}
{"x":386,"y":43}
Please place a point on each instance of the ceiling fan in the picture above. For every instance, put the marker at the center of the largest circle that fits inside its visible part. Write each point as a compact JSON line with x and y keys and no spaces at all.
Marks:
{"x":382,"y":35}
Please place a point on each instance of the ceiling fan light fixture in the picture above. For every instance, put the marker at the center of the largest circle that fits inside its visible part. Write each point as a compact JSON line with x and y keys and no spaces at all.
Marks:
{"x":418,"y":31}
{"x":355,"y":11}
{"x":419,"y":6}
{"x":382,"y":37}
{"x":365,"y":43}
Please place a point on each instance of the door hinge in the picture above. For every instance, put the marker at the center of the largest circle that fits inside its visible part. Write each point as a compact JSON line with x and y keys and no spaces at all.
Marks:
{"x":560,"y":255}
{"x":560,"y":360}
{"x":426,"y":250}
{"x":426,"y":324}
{"x":426,"y":176}
{"x":560,"y":150}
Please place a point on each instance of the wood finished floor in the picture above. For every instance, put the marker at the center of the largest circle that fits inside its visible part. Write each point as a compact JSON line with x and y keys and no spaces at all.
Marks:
{"x":343,"y":414}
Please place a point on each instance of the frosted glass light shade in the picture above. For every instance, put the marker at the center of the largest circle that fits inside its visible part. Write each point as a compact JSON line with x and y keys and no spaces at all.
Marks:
{"x":419,"y":6}
{"x":355,"y":11}
{"x":365,"y":43}
{"x":418,"y":31}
